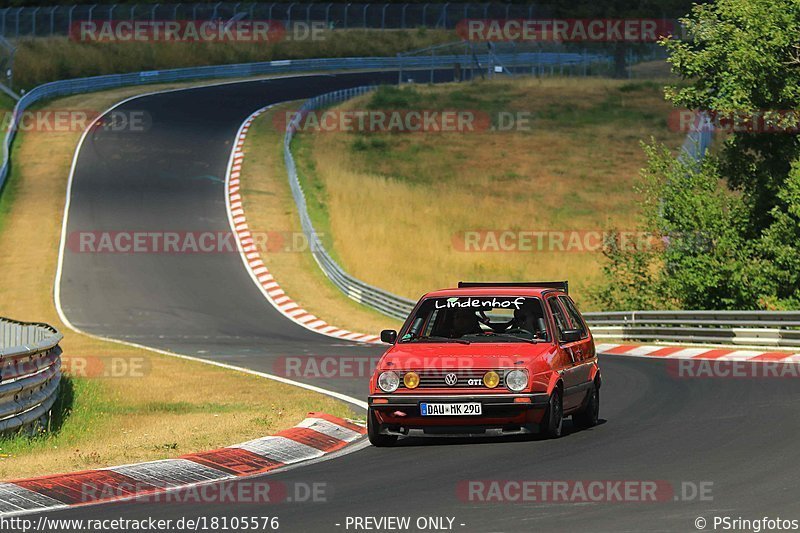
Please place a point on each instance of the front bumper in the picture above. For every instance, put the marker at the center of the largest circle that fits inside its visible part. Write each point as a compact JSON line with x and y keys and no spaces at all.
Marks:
{"x":537,"y":400}
{"x":501,"y":414}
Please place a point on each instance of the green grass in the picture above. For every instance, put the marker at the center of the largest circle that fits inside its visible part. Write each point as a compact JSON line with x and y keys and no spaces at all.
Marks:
{"x":82,"y":402}
{"x":314,"y":190}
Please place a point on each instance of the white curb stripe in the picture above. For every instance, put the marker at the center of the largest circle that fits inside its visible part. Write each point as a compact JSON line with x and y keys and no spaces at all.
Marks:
{"x":268,"y":286}
{"x":281,"y":449}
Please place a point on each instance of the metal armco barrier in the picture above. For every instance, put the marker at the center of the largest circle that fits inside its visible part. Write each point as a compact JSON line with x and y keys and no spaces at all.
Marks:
{"x":756,"y":328}
{"x":374,"y":297}
{"x":30,"y":373}
{"x":243,"y":70}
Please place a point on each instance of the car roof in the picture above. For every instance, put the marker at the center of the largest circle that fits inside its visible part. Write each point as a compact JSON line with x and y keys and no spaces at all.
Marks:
{"x":491,"y":291}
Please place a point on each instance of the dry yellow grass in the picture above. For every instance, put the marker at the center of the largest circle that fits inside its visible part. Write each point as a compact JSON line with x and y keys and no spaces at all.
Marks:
{"x":172,"y":408}
{"x":395,"y":212}
{"x":44,"y":59}
{"x":269,"y":207}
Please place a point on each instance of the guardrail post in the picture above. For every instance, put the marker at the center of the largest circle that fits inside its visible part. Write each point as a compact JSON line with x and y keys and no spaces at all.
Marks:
{"x":33,"y":21}
{"x":16,"y":24}
{"x":53,"y":20}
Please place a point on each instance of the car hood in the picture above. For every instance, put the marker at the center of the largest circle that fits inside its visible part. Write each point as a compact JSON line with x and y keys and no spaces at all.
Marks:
{"x":476,"y":355}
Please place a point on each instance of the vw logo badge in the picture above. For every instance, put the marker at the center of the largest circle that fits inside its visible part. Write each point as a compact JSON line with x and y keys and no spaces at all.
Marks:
{"x":451,"y":379}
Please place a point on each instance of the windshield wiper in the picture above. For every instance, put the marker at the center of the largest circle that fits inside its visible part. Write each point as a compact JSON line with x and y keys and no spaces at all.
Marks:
{"x":509,"y":336}
{"x":441,"y":339}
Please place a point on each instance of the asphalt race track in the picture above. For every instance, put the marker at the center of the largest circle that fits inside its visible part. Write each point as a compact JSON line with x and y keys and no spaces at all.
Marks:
{"x":739,"y":435}
{"x":171,"y":178}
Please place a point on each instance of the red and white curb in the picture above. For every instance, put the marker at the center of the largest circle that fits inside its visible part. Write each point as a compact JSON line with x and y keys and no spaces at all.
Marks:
{"x":251,"y":257}
{"x":314,"y":437}
{"x":712,"y":354}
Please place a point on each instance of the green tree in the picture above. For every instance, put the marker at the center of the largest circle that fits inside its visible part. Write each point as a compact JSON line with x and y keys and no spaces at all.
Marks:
{"x":733,"y":221}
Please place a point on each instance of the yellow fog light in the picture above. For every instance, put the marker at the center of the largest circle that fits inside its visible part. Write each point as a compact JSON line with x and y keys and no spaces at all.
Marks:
{"x":411,"y":380}
{"x":491,"y":379}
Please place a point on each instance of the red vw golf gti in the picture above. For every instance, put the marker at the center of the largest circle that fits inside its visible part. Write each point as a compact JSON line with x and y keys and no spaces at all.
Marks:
{"x":486,"y":358}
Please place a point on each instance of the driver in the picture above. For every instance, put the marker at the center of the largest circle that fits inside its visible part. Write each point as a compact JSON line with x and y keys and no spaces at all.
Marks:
{"x":525,"y":318}
{"x":465,"y":322}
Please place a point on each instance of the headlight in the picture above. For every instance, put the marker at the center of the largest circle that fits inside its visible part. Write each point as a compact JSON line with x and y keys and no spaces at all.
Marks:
{"x":516,"y":380}
{"x":388,"y":381}
{"x":491,"y":379}
{"x":411,"y":380}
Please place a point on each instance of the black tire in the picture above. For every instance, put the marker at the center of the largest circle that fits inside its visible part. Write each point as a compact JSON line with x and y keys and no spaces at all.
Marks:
{"x":373,"y":432}
{"x":553,"y":421}
{"x":590,"y":414}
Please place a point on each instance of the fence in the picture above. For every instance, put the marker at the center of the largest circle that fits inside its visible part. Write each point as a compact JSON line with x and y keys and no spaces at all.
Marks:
{"x":57,"y":20}
{"x":30,"y":373}
{"x":753,"y":328}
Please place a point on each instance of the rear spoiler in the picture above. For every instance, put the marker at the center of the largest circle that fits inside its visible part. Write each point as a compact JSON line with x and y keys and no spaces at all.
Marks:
{"x":558,"y":285}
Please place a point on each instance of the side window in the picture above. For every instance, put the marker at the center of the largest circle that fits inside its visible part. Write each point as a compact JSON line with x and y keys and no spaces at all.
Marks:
{"x":558,"y":315}
{"x":574,"y":315}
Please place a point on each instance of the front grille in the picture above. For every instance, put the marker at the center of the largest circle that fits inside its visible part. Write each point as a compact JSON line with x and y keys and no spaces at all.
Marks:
{"x":471,"y":378}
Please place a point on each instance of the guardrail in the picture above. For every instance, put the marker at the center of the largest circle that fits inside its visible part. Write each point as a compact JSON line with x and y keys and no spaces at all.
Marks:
{"x":244,"y":70}
{"x":30,"y":373}
{"x":754,"y":328}
{"x":374,"y":297}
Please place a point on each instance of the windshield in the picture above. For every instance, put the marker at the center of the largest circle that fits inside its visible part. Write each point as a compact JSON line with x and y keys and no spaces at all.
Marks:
{"x":478,"y":319}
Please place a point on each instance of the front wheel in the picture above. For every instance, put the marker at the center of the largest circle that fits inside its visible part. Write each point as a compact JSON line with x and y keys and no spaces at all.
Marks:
{"x":374,"y":432}
{"x":590,"y":414}
{"x":553,"y":420}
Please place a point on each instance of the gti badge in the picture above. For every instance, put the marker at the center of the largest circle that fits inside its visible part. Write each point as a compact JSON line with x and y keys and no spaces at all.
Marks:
{"x":451,"y":379}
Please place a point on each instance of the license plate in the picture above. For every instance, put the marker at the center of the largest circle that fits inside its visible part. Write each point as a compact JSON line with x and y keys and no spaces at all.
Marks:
{"x":450,"y":409}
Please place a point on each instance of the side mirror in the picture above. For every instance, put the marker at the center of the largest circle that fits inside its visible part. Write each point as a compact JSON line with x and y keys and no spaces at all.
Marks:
{"x":389,"y":336}
{"x":572,"y":335}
